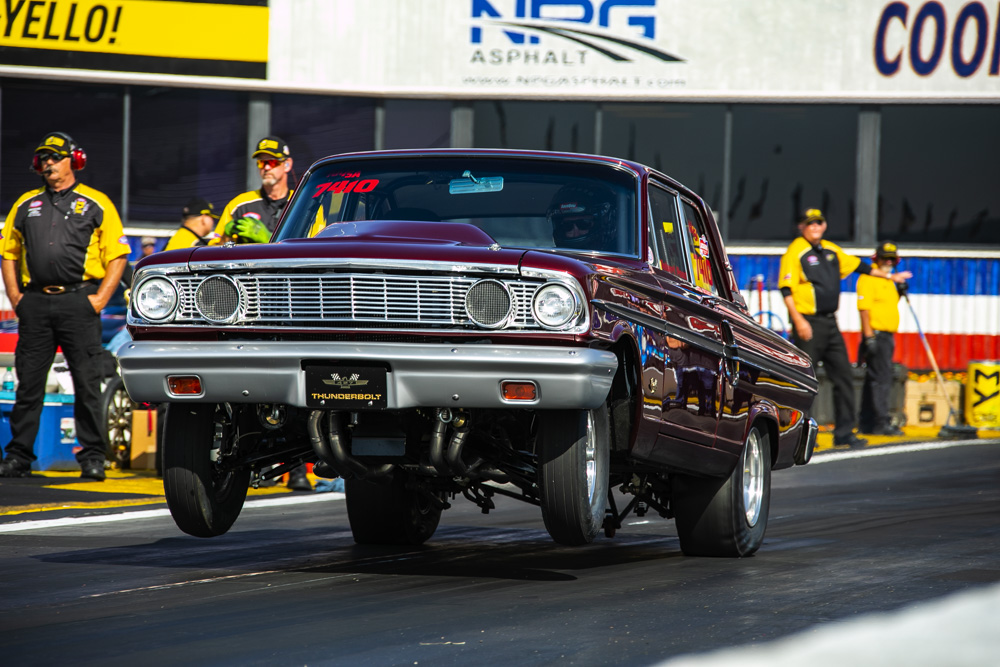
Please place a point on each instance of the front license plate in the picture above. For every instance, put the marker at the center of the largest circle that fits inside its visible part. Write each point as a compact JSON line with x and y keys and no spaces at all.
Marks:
{"x":346,"y":387}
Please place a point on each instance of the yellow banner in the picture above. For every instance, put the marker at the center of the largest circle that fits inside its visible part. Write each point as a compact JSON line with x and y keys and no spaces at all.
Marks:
{"x":189,"y":30}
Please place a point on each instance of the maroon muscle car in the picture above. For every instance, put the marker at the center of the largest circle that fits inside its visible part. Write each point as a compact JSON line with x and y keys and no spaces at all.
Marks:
{"x":435,"y":324}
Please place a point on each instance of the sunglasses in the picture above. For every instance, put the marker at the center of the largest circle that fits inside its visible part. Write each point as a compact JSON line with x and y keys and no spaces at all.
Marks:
{"x":815,"y":222}
{"x":55,"y":157}
{"x":583,"y":223}
{"x":268,"y":164}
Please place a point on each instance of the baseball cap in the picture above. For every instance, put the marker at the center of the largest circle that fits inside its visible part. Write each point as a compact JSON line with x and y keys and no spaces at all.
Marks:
{"x":272,"y":147}
{"x":812,"y":215}
{"x":199,"y":206}
{"x":148,"y":240}
{"x":886,"y":250}
{"x":56,"y":142}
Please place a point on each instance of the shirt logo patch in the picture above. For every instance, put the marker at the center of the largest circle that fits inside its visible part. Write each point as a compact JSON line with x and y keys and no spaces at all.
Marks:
{"x":123,"y":240}
{"x":251,"y":214}
{"x":812,"y":260}
{"x":80,"y":206}
{"x":34,"y":213}
{"x":36,"y":203}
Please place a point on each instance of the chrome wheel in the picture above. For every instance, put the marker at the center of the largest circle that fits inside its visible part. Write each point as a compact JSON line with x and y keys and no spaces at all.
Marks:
{"x":753,"y":479}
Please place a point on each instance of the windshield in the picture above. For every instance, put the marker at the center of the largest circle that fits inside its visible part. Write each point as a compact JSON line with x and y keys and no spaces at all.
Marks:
{"x":519,"y":202}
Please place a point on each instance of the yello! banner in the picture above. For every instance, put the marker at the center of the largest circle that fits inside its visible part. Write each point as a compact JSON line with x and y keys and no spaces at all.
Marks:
{"x":225,"y":38}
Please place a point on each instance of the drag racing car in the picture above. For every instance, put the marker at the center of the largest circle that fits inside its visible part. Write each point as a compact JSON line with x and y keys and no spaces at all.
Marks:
{"x":445,"y":324}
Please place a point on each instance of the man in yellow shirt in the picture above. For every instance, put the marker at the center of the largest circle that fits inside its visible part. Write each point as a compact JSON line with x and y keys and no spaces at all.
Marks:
{"x":878,"y":306}
{"x":809,"y":279}
{"x":197,"y":221}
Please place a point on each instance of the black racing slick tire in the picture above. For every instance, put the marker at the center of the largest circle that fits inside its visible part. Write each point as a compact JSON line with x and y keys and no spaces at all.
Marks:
{"x":726,"y":517}
{"x":573,"y":449}
{"x":388,"y":511}
{"x":204,"y":499}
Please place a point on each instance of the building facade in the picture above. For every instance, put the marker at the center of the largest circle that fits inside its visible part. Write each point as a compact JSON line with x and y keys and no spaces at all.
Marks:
{"x":883,"y":114}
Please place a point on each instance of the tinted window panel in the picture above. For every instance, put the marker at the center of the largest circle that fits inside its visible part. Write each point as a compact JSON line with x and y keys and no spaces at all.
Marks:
{"x":316,"y":126}
{"x":789,"y":158}
{"x":92,"y":115}
{"x":939,"y":174}
{"x":552,"y":126}
{"x":684,"y":141}
{"x":185,"y":143}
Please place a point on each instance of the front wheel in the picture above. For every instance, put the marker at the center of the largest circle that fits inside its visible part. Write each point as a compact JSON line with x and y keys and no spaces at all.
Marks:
{"x":573,"y":471}
{"x":390,"y":512}
{"x":726,"y":517}
{"x":203,"y":498}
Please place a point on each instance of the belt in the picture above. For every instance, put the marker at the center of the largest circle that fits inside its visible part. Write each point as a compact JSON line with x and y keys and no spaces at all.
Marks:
{"x":59,"y":289}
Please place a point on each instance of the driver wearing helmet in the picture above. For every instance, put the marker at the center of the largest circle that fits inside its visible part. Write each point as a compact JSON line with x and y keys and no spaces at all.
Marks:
{"x":581,"y":217}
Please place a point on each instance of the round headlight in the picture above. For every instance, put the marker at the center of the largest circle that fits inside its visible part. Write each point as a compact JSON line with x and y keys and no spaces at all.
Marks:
{"x":554,"y":305}
{"x":155,"y":299}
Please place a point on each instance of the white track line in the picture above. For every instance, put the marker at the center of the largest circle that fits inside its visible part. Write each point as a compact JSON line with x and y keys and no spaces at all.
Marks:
{"x":149,"y":514}
{"x":886,"y":450}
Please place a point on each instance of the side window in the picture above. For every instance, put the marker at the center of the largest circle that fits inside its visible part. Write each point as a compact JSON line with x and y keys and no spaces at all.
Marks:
{"x":705,"y":275}
{"x":666,"y":236}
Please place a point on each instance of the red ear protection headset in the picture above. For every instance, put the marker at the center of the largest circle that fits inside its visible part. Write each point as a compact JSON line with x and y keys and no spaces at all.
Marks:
{"x":77,"y":157}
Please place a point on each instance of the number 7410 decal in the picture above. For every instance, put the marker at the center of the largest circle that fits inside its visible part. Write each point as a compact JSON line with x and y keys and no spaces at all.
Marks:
{"x":338,"y":187}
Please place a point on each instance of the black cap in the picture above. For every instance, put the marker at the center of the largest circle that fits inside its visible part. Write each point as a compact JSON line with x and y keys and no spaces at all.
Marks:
{"x":272,"y":147}
{"x":887,"y":250}
{"x":811,"y":215}
{"x":198,"y":206}
{"x":56,"y":142}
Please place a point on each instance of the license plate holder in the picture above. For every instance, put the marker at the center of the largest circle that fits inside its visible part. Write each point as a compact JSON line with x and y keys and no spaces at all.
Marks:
{"x":339,"y":387}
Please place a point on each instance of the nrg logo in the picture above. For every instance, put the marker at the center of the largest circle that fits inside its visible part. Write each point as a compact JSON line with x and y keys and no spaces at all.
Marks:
{"x":573,"y":20}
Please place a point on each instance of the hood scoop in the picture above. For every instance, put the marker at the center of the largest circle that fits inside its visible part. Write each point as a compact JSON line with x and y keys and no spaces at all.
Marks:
{"x":398,"y":231}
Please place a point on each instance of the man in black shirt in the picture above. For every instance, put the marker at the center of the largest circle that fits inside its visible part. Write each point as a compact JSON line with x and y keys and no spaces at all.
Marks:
{"x":64,"y":252}
{"x":810,"y":275}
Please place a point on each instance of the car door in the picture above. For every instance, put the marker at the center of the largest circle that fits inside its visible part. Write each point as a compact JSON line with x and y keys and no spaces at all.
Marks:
{"x":691,"y":330}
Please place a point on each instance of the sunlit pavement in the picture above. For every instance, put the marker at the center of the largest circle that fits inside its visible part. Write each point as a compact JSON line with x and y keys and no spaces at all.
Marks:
{"x":64,"y":490}
{"x":52,"y":491}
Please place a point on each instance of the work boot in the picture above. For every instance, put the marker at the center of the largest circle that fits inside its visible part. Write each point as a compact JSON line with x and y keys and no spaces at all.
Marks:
{"x":14,"y":468}
{"x":92,"y":470}
{"x":297,"y":479}
{"x":852,"y":441}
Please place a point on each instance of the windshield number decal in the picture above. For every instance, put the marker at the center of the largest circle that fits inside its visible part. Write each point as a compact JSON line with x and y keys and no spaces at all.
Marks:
{"x":338,"y":187}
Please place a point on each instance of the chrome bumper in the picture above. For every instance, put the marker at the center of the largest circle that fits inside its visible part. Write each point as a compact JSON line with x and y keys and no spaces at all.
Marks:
{"x":420,"y":375}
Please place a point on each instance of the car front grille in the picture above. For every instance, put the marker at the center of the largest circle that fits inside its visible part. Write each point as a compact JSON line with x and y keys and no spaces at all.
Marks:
{"x":349,"y":300}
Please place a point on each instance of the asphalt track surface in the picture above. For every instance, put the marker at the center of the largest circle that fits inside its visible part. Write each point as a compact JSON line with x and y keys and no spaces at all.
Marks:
{"x":886,"y":556}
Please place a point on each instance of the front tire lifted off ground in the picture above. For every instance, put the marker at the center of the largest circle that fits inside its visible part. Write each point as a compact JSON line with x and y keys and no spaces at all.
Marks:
{"x":203,"y":499}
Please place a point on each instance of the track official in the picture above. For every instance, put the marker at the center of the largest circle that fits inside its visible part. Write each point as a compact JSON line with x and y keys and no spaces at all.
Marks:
{"x":197,"y":220}
{"x":64,"y":251}
{"x":878,"y":308}
{"x":252,"y":216}
{"x":810,"y":275}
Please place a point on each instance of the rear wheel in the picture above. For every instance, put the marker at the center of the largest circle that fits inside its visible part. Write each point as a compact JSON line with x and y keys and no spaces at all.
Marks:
{"x":573,"y":464}
{"x":387,"y":512}
{"x":116,"y":406}
{"x":203,"y":499}
{"x":726,"y":517}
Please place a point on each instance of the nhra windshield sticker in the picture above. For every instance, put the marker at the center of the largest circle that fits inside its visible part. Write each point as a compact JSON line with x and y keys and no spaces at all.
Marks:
{"x":339,"y":187}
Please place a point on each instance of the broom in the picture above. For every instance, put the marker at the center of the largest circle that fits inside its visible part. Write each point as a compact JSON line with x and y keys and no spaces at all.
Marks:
{"x":949,"y":430}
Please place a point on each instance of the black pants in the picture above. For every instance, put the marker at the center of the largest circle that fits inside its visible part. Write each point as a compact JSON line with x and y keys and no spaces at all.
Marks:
{"x":46,"y":322}
{"x":827,"y":345}
{"x":877,"y":389}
